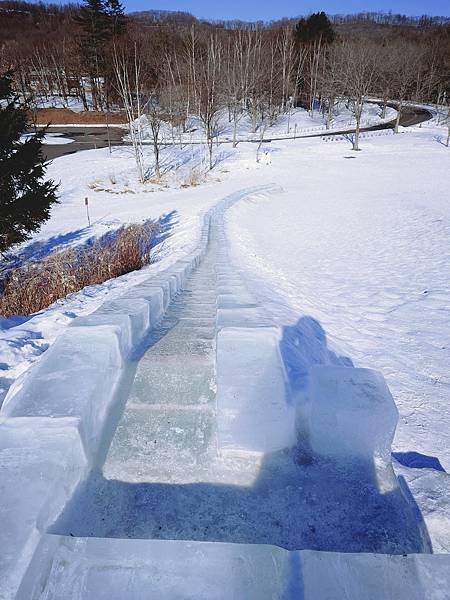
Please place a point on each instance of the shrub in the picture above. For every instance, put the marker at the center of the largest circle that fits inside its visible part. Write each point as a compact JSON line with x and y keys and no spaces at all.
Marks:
{"x":35,"y":285}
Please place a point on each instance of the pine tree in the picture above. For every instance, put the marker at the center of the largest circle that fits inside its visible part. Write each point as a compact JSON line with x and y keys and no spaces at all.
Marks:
{"x":94,"y":23}
{"x":116,"y":16}
{"x":316,"y":27}
{"x":25,"y":198}
{"x":100,"y":21}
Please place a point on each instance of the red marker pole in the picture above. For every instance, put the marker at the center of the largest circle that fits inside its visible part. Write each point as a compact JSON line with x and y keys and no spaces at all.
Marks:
{"x":86,"y":203}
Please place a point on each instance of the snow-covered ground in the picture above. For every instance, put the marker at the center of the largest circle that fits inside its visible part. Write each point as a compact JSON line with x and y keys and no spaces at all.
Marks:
{"x":355,"y":255}
{"x":351,"y":257}
{"x":72,"y":102}
{"x":298,"y":122}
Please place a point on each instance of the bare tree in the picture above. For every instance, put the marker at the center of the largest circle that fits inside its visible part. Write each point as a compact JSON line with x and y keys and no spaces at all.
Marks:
{"x":127,"y":68}
{"x":154,"y":115}
{"x":236,"y":76}
{"x":207,"y":75}
{"x":330,"y":82}
{"x":359,"y":73}
{"x":406,"y":74}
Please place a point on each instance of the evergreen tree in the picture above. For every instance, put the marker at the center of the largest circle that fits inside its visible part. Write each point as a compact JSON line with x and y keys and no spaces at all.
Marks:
{"x":94,"y":23}
{"x":316,"y":27}
{"x":100,"y":21}
{"x":116,"y":16}
{"x":25,"y":199}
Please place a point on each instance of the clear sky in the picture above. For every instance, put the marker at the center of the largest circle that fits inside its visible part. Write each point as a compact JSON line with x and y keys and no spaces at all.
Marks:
{"x":253,"y":10}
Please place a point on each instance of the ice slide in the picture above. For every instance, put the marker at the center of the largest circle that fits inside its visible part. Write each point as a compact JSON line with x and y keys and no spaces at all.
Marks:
{"x":156,"y":451}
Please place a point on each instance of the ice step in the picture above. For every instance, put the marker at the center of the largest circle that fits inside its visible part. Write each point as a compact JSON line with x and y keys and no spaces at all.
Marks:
{"x":159,"y":379}
{"x":352,"y":414}
{"x":115,"y":569}
{"x":253,"y":412}
{"x":41,"y":463}
{"x":151,"y":444}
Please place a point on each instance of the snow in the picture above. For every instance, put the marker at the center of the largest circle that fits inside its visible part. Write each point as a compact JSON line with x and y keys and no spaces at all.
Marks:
{"x":54,"y":101}
{"x":353,"y":258}
{"x":54,"y":139}
{"x":335,"y":264}
{"x":297,"y":123}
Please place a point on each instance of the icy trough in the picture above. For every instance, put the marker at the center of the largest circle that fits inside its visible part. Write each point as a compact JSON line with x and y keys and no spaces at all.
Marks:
{"x":154,"y":450}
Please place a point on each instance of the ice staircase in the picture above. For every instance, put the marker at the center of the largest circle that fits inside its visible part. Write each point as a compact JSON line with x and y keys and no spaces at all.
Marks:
{"x":163,"y":459}
{"x":112,"y":569}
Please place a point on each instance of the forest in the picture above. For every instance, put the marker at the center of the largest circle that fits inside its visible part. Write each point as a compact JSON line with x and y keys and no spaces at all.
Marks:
{"x":170,"y":65}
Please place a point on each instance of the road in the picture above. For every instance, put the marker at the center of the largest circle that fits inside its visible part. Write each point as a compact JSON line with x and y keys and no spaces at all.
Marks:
{"x":86,"y":138}
{"x":90,"y":138}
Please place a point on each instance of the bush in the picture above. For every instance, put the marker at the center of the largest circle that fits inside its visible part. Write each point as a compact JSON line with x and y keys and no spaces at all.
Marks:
{"x":36,"y":285}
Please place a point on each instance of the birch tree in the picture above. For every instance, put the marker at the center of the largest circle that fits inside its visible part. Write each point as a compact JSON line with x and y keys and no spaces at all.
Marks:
{"x":207,"y":74}
{"x":127,"y":69}
{"x":360,"y":73}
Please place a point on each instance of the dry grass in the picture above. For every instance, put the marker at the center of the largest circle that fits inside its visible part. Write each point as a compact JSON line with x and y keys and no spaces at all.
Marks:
{"x":193,"y":178}
{"x":36,"y":285}
{"x":99,"y":186}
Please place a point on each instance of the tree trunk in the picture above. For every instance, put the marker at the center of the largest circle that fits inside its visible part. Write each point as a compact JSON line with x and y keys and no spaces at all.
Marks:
{"x":399,"y":114}
{"x":330,"y":113}
{"x":156,"y":152}
{"x":235,"y":131}
{"x":210,"y":148}
{"x":357,"y":128}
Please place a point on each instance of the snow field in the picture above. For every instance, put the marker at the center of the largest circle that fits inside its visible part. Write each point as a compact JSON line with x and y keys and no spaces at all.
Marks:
{"x":352,"y":261}
{"x":358,"y":510}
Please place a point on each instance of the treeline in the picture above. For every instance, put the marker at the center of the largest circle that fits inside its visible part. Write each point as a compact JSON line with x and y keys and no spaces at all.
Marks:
{"x":188,"y":66}
{"x":390,"y":18}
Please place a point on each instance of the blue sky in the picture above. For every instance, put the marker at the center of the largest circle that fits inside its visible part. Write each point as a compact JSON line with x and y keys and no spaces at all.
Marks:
{"x":273,"y":9}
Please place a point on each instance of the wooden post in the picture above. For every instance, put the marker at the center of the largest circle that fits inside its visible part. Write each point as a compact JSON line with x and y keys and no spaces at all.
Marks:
{"x":86,"y":203}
